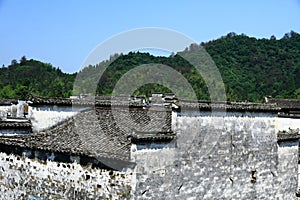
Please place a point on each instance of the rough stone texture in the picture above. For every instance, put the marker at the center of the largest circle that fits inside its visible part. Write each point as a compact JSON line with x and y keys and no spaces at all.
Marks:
{"x":287,"y":168}
{"x":22,"y":178}
{"x":244,"y":163}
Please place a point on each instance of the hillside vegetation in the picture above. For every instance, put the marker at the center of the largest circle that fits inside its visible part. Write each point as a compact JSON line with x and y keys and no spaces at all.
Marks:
{"x":251,"y":69}
{"x":20,"y":79}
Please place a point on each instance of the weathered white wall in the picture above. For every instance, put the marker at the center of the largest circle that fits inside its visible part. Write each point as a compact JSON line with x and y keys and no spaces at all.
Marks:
{"x":3,"y":111}
{"x":284,"y":124}
{"x":42,"y":120}
{"x":287,"y":170}
{"x":219,"y":158}
{"x":21,"y":178}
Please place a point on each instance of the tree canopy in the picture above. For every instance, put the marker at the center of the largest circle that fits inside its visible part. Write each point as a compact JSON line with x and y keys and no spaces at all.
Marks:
{"x":18,"y":80}
{"x":250,"y":68}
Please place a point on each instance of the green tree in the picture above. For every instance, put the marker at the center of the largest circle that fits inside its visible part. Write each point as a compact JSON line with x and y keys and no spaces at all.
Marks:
{"x":21,"y":91}
{"x":297,"y":93}
{"x":14,"y":62}
{"x":7,"y":92}
{"x":57,"y":88}
{"x":23,"y":60}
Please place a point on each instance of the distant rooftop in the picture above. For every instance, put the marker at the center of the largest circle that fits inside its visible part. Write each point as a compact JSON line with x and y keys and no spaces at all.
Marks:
{"x":285,"y":103}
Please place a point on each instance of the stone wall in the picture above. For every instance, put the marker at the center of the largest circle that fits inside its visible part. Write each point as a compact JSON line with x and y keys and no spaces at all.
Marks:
{"x":287,"y":169}
{"x":219,"y":158}
{"x":22,"y":178}
{"x":211,"y":158}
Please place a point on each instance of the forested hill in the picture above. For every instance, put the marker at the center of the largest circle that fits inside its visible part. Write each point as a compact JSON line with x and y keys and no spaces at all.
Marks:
{"x":34,"y":77}
{"x":251,"y":69}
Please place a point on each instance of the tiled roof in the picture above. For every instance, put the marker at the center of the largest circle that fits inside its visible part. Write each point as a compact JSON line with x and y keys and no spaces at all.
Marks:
{"x":97,"y":133}
{"x":8,"y":101}
{"x":284,"y":137}
{"x":228,"y":106}
{"x":293,"y":104}
{"x":15,"y":125}
{"x":80,"y":135}
{"x":91,"y":101}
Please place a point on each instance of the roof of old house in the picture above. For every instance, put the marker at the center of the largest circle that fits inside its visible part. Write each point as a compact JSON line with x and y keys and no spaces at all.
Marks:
{"x":8,"y":102}
{"x":272,"y":104}
{"x":102,"y":132}
{"x":89,"y":101}
{"x":292,"y":134}
{"x":81,"y":135}
{"x":228,"y":106}
{"x":15,"y":125}
{"x":293,"y":104}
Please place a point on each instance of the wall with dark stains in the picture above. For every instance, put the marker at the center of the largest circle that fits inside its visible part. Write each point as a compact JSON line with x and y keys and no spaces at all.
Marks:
{"x":214,"y":158}
{"x":219,"y":158}
{"x":25,"y":178}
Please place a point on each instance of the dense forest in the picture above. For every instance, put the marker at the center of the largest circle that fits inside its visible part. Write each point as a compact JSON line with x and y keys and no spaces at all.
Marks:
{"x":250,"y":68}
{"x":25,"y":77}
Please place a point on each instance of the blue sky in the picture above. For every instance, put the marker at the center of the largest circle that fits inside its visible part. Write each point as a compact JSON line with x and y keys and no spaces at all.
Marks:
{"x":63,"y":33}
